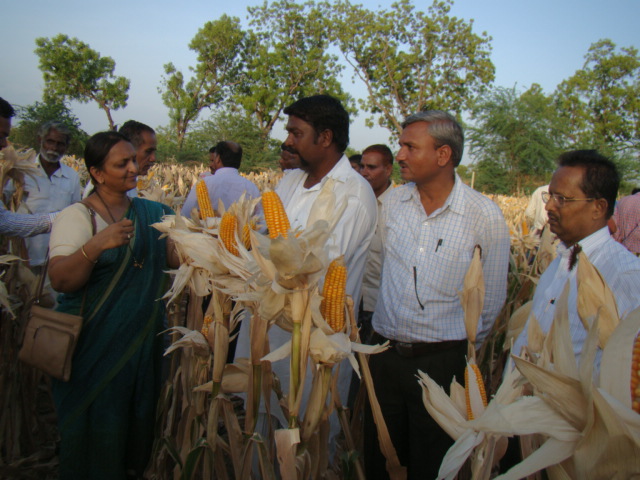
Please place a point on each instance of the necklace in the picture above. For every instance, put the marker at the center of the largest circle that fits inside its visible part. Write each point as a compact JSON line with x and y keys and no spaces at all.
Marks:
{"x":136,"y":263}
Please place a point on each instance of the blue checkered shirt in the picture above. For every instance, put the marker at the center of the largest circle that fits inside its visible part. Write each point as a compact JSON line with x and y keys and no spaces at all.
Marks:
{"x":440,"y":246}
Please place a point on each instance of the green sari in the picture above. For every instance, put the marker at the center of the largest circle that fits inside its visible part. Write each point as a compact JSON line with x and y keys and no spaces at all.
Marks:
{"x":106,"y":411}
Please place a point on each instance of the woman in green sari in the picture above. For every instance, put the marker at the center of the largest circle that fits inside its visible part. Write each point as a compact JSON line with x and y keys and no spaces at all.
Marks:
{"x":109,"y":263}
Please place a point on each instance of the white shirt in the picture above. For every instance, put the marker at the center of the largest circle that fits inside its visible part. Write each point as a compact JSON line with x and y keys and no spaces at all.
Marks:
{"x":535,"y":210}
{"x":440,"y":247}
{"x":47,"y":195}
{"x":619,"y":268}
{"x":373,"y":267}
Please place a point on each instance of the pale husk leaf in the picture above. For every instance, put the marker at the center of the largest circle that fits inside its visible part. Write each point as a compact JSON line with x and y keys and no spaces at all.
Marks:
{"x":516,"y":325}
{"x":472,"y":295}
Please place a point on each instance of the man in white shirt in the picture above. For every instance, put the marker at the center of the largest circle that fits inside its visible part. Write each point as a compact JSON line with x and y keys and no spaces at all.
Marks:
{"x":318,"y":132}
{"x":580,"y":201}
{"x":430,"y":228}
{"x":54,"y":187}
{"x":376,"y":166}
{"x":226,"y":183}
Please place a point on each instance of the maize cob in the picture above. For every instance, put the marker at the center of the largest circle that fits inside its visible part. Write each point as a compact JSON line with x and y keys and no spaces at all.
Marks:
{"x":275,"y":215}
{"x":228,"y":226}
{"x":246,"y":230}
{"x":635,"y":376}
{"x":205,"y":325}
{"x":332,"y":305}
{"x":473,"y":371}
{"x":525,"y":228}
{"x":204,"y":202}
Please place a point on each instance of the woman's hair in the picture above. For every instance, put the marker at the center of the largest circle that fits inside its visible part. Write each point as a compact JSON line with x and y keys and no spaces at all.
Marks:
{"x":98,"y":148}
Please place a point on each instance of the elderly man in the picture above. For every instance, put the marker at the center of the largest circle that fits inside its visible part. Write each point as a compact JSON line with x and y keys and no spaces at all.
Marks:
{"x":376,"y":167}
{"x":226,"y":183}
{"x":579,"y":203}
{"x":430,"y":228}
{"x":54,"y":187}
{"x":16,"y":224}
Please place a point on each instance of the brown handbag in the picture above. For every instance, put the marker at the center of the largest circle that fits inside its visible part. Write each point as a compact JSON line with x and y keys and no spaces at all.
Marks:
{"x":50,"y":337}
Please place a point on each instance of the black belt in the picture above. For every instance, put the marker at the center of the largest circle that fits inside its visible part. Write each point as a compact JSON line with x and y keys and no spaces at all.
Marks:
{"x":411,"y":350}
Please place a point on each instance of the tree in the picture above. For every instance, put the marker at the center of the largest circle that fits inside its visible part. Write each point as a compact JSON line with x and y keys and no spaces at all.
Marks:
{"x":515,"y":136}
{"x":32,"y":117}
{"x":74,"y":71}
{"x":286,"y":58}
{"x":218,"y":45}
{"x":410,"y":60}
{"x":601,"y":103}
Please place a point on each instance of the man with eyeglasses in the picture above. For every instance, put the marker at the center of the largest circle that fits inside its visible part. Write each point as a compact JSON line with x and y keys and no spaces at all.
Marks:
{"x":579,"y":203}
{"x":430,"y":227}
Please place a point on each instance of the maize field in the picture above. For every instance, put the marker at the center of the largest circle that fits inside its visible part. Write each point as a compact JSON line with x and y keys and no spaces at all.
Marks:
{"x":219,"y":420}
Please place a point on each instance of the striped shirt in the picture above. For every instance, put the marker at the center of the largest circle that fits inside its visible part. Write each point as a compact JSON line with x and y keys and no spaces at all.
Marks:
{"x":24,"y":225}
{"x":440,"y":247}
{"x":627,"y":218}
{"x":619,"y":268}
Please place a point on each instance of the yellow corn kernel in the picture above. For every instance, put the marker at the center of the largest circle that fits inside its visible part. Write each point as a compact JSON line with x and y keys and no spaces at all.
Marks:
{"x":635,"y":376}
{"x":205,"y":325}
{"x":204,"y":202}
{"x":525,"y":228}
{"x":335,"y":284}
{"x":467,"y":387}
{"x":275,"y":215}
{"x":227,"y":232}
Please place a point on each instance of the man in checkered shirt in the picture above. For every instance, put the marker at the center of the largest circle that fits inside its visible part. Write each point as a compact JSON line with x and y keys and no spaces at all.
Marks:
{"x":429,"y":227}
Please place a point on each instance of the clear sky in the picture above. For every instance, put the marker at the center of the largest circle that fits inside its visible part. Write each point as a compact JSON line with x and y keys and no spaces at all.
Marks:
{"x":534,"y":41}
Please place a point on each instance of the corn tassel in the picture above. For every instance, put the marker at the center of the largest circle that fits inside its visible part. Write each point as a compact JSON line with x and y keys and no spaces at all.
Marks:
{"x":335,"y":284}
{"x":473,"y":380}
{"x":204,"y":202}
{"x":275,"y":215}
{"x":228,"y":226}
{"x":635,"y":376}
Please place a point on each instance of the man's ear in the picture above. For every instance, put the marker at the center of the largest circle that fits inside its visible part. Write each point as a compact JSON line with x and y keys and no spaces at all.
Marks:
{"x":600,"y":208}
{"x":325,"y":138}
{"x":444,"y":155}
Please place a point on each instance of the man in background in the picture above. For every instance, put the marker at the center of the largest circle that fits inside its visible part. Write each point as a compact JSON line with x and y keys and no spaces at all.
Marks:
{"x":625,"y":223}
{"x":226,"y":183}
{"x":376,"y":168}
{"x":535,"y":211}
{"x":354,"y":160}
{"x":54,"y":186}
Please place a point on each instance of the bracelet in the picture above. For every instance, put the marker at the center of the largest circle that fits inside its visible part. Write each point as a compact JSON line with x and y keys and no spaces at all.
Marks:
{"x":87,"y":256}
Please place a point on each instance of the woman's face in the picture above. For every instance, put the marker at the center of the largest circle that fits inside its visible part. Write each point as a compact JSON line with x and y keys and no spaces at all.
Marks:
{"x":119,"y":171}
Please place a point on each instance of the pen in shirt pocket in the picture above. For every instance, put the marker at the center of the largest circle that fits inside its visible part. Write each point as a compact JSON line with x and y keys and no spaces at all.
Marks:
{"x":439,"y":244}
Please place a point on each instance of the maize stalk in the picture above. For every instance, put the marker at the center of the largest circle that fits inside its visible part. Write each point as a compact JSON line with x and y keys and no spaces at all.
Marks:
{"x":275,"y":215}
{"x":335,"y":284}
{"x":474,"y":385}
{"x":204,"y":202}
{"x":635,"y":376}
{"x":227,"y":232}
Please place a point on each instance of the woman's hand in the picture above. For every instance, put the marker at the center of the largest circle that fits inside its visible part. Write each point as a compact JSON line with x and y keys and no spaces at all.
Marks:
{"x":114,"y":236}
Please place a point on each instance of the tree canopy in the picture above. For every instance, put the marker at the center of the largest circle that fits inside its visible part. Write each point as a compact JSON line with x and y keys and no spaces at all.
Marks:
{"x":72,"y":70}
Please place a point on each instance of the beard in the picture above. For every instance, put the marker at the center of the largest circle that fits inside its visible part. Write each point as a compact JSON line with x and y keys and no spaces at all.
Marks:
{"x":50,"y":156}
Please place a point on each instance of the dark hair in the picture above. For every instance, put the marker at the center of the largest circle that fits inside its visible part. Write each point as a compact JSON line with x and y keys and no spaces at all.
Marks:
{"x":212,"y":149}
{"x":356,"y":158}
{"x":230,"y":154}
{"x":444,"y":129}
{"x":6,"y":110}
{"x":46,"y":127}
{"x":323,"y":112}
{"x":387,"y":155}
{"x":98,"y":148}
{"x":600,"y":179}
{"x":133,"y":131}
{"x":635,"y":190}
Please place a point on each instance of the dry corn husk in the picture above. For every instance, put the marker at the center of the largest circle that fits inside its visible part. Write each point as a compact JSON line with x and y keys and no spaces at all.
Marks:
{"x":595,"y":299}
{"x":472,"y":296}
{"x":516,"y":325}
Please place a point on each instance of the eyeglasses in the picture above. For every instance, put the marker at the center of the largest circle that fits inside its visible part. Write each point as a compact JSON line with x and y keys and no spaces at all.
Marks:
{"x":561,"y":199}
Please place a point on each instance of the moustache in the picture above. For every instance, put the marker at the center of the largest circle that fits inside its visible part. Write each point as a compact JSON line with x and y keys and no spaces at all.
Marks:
{"x":291,"y":150}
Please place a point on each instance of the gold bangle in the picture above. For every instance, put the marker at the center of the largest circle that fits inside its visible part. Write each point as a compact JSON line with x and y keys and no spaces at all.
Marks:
{"x":87,"y":256}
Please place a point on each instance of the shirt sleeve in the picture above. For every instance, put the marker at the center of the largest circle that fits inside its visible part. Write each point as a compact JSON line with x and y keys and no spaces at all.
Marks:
{"x":71,"y":229}
{"x":23,"y":225}
{"x":190,"y":203}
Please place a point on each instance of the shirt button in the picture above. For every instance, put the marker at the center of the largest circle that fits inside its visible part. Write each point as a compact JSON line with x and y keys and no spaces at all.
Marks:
{"x":421,"y":249}
{"x":426,"y":224}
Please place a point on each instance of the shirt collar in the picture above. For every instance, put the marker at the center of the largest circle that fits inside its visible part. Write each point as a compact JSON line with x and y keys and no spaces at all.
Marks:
{"x":59,"y":172}
{"x":588,"y":244}
{"x":455,"y":201}
{"x":340,"y":172}
{"x":226,"y":171}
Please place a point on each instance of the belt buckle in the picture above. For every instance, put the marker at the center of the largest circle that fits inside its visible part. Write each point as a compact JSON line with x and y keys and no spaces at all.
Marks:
{"x":404,"y":349}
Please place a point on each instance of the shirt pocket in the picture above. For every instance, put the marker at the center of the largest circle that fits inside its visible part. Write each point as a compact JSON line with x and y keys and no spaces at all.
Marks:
{"x":445,"y":271}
